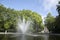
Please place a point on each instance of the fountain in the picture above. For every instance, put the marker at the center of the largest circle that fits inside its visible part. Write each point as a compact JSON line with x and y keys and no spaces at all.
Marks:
{"x":23,"y":28}
{"x":23,"y":25}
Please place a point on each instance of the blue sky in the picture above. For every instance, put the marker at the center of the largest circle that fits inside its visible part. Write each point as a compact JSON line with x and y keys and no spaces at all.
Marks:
{"x":40,"y":6}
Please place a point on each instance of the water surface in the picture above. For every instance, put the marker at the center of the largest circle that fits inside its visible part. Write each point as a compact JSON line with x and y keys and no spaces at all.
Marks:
{"x":29,"y":37}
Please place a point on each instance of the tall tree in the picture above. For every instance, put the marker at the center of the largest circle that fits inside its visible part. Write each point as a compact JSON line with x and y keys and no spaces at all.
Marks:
{"x":49,"y":22}
{"x":57,"y":21}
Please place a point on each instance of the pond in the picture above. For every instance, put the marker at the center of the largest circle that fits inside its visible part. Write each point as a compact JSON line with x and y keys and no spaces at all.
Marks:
{"x":29,"y":37}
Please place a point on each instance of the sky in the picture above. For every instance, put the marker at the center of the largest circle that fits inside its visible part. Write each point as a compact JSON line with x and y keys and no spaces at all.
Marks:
{"x":40,"y":6}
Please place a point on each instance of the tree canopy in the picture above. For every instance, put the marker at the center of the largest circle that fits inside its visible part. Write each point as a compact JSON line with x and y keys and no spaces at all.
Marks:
{"x":49,"y":22}
{"x":9,"y":18}
{"x":57,"y":20}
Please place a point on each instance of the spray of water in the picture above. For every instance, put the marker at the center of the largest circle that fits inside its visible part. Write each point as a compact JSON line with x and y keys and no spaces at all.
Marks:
{"x":23,"y":25}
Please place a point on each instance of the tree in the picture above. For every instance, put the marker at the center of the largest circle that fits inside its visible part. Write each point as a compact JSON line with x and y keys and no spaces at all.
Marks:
{"x":58,"y":8}
{"x":9,"y":18}
{"x":35,"y":18}
{"x":57,"y":21}
{"x":49,"y":22}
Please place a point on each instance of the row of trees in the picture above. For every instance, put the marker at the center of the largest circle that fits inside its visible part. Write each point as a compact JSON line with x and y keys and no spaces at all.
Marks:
{"x":9,"y":18}
{"x":52,"y":23}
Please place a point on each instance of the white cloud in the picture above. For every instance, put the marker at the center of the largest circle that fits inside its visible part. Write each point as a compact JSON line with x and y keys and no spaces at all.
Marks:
{"x":48,"y":4}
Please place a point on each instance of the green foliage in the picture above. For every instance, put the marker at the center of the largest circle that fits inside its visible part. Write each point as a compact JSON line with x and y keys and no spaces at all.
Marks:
{"x":57,"y":21}
{"x":57,"y":25}
{"x":58,"y":8}
{"x":34,"y":17}
{"x":9,"y":18}
{"x":53,"y":24}
{"x":49,"y":22}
